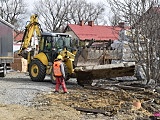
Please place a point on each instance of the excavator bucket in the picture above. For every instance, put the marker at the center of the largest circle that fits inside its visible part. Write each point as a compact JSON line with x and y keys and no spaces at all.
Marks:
{"x":92,"y":63}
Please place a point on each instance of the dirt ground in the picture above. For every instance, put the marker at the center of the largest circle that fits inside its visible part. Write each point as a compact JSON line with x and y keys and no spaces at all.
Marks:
{"x":117,"y":104}
{"x":54,"y":112}
{"x":105,"y":101}
{"x":113,"y":104}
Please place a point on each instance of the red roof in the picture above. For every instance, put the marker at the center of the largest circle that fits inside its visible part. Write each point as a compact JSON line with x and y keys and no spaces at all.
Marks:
{"x":18,"y":36}
{"x":95,"y":32}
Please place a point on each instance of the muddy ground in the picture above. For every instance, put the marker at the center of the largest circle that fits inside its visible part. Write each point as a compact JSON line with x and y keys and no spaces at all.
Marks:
{"x":107,"y":100}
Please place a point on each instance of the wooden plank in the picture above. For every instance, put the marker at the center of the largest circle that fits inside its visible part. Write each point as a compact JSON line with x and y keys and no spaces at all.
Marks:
{"x":91,"y":110}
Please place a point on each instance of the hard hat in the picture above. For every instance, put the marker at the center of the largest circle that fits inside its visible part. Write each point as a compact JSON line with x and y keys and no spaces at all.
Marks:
{"x":59,"y":57}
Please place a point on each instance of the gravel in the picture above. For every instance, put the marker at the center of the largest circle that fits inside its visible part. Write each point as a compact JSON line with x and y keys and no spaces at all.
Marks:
{"x":17,"y":88}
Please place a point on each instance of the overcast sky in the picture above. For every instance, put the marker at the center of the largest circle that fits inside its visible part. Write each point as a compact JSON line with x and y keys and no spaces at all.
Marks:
{"x":107,"y":13}
{"x":94,"y":1}
{"x":31,"y":2}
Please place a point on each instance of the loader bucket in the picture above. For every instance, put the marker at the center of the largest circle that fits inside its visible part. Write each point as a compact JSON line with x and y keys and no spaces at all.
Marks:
{"x":93,"y":64}
{"x":87,"y":57}
{"x":91,"y":56}
{"x":108,"y":70}
{"x":85,"y":74}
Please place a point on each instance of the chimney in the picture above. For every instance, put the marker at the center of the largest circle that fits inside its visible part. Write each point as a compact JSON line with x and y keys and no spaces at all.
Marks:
{"x":121,"y":24}
{"x":81,"y":23}
{"x":91,"y":23}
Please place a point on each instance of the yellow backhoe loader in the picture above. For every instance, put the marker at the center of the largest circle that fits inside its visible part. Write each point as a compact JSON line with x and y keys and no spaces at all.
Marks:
{"x":40,"y":58}
{"x":85,"y":64}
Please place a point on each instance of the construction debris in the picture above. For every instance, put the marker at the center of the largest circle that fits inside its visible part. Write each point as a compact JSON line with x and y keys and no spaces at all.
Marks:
{"x":91,"y":110}
{"x":120,"y":101}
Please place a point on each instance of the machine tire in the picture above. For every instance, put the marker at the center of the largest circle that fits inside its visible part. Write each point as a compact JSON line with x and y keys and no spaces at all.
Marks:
{"x":84,"y":79}
{"x":67,"y":77}
{"x":3,"y":74}
{"x":53,"y":79}
{"x":37,"y":71}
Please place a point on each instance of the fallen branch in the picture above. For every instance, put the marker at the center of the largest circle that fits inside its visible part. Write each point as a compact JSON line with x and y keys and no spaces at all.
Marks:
{"x":91,"y":110}
{"x":105,"y":87}
{"x":130,"y":87}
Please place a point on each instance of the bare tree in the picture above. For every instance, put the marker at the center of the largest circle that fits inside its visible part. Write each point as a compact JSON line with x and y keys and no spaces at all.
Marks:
{"x":56,"y":14}
{"x":143,"y":17}
{"x":13,"y":11}
{"x":115,"y":19}
{"x":52,"y":13}
{"x":81,"y":10}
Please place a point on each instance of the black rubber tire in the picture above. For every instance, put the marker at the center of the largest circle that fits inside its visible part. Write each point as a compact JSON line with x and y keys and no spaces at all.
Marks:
{"x":3,"y":74}
{"x":37,"y":71}
{"x":53,"y":79}
{"x":67,"y":77}
{"x":84,"y":78}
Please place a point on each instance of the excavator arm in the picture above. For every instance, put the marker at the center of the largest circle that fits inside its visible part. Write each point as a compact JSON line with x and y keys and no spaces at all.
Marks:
{"x":32,"y":27}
